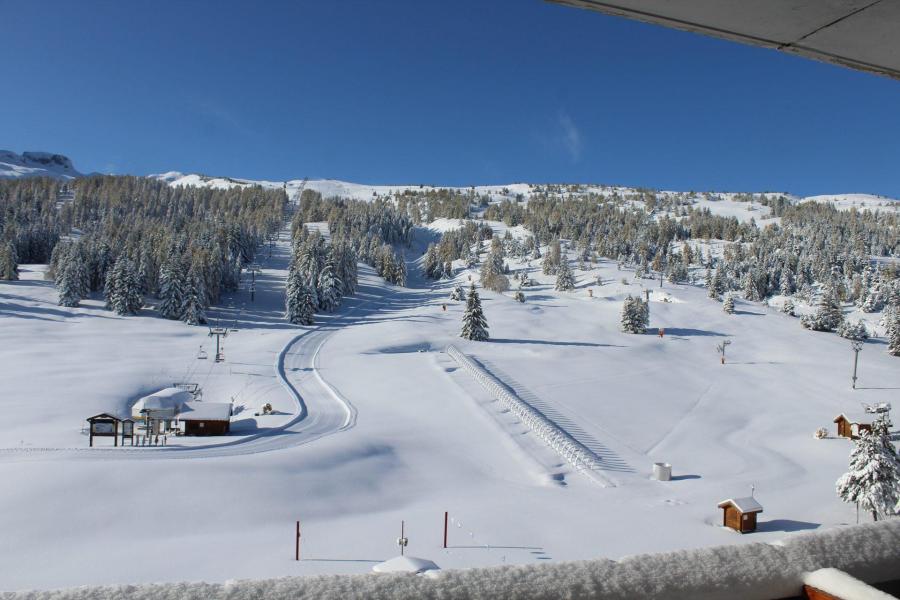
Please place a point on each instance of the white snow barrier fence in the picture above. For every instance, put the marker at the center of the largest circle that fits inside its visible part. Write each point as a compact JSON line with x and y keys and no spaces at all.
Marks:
{"x":662,"y":471}
{"x":574,"y":452}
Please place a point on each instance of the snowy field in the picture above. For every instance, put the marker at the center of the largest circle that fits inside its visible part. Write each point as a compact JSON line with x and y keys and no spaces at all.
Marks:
{"x":374,"y":423}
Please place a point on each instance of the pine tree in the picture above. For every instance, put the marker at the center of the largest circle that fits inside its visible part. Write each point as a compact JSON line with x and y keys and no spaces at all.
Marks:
{"x":728,"y":305}
{"x":786,"y":285}
{"x":547,"y":266}
{"x":430,"y":263}
{"x":828,"y":313}
{"x":565,"y":281}
{"x":300,"y":301}
{"x":474,"y":324}
{"x":68,"y":282}
{"x":292,"y":295}
{"x":9,"y":263}
{"x":458,"y":293}
{"x":192,"y":311}
{"x":788,"y":307}
{"x":873,"y":481}
{"x":330,"y":290}
{"x":122,"y":289}
{"x":492,"y":276}
{"x":853,"y":331}
{"x":894,"y":335}
{"x":172,"y":289}
{"x":635,"y":315}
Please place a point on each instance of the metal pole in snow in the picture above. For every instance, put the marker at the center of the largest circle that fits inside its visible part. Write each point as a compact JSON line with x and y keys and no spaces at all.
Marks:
{"x":857,"y":346}
{"x":297,"y":544}
{"x":446,"y":517}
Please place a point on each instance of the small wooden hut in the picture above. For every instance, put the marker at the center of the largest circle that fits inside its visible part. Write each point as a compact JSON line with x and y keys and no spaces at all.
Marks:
{"x":740,"y":513}
{"x":205,"y":418}
{"x":850,"y":425}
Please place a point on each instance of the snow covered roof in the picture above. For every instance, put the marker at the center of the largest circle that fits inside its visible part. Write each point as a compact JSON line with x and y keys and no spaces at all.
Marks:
{"x":405,"y":564}
{"x":196,"y":410}
{"x":855,"y":416}
{"x":166,"y":399}
{"x":747,"y":504}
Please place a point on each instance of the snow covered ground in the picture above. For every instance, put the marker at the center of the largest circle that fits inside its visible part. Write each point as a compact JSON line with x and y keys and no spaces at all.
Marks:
{"x":384,"y":427}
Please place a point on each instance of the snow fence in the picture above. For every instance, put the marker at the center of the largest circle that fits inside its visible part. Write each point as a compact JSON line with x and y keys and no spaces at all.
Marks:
{"x":756,"y":571}
{"x":573,"y":451}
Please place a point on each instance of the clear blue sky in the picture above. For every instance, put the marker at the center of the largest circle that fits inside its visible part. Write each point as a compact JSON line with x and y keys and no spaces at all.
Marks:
{"x":424,"y":91}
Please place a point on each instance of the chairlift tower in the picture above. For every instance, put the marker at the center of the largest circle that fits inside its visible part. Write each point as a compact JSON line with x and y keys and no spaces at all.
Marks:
{"x":219,"y":333}
{"x":857,"y":345}
{"x":253,"y":269}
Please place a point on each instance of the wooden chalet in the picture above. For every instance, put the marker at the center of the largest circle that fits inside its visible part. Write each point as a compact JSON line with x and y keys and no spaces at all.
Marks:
{"x":740,"y":513}
{"x":849,"y":425}
{"x":205,"y":418}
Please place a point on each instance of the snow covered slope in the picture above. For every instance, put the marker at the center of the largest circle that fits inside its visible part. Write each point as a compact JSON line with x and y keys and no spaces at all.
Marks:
{"x":857,"y":201}
{"x":36,"y":164}
{"x":742,"y":206}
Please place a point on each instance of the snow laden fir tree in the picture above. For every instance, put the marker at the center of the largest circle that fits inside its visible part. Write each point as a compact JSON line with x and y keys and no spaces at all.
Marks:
{"x":873,"y":481}
{"x":635,"y":315}
{"x":565,"y":281}
{"x":474,"y":324}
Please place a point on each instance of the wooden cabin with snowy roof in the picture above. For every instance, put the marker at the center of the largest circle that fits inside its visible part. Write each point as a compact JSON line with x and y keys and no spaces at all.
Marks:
{"x":740,"y":513}
{"x":850,"y":424}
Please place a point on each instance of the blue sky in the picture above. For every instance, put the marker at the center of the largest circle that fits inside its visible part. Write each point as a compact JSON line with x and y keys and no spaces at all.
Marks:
{"x":425,"y":91}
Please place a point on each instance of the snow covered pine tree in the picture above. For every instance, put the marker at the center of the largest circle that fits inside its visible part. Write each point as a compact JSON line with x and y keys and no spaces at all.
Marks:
{"x":565,"y":281}
{"x":458,"y":293}
{"x":728,"y":305}
{"x":171,"y":289}
{"x":828,"y":314}
{"x":474,"y":324}
{"x":873,"y":481}
{"x":634,"y":315}
{"x":300,"y":300}
{"x":894,"y":335}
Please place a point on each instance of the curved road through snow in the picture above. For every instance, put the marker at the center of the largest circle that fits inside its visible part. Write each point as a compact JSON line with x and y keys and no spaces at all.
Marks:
{"x":320,"y":410}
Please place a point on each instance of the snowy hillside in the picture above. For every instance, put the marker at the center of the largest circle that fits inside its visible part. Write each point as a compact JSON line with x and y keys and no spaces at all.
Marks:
{"x":36,"y":164}
{"x":741,"y":206}
{"x":366,"y":418}
{"x":857,"y":201}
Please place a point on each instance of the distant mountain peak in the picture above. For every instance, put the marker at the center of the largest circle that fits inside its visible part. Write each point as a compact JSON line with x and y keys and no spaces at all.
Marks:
{"x":36,"y":164}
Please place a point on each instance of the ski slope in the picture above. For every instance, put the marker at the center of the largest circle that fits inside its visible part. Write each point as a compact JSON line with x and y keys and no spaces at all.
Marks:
{"x":417,"y":434}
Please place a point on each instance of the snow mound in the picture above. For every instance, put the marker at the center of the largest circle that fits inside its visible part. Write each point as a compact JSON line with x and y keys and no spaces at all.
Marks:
{"x":36,"y":164}
{"x":405,"y":564}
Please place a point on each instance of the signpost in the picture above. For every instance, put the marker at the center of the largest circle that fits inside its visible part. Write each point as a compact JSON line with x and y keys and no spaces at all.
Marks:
{"x":104,"y":425}
{"x":128,"y":430}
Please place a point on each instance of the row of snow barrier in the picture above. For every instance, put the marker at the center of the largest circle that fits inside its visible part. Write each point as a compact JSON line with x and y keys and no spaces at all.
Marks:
{"x":574,"y":452}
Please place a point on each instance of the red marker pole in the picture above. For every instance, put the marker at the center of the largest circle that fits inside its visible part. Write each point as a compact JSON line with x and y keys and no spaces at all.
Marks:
{"x":445,"y":528}
{"x":297,"y":546}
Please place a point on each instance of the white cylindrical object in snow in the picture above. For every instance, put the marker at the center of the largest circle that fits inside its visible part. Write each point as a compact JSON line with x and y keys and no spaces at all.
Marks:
{"x":662,"y":471}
